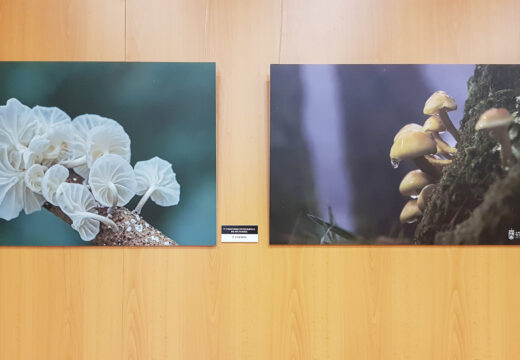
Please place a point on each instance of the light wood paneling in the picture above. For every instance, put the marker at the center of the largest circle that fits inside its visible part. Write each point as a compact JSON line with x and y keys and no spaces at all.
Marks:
{"x":256,"y":301}
{"x":62,"y":30}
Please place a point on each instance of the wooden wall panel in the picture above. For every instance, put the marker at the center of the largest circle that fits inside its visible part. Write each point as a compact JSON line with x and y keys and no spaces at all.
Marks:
{"x":255,"y":301}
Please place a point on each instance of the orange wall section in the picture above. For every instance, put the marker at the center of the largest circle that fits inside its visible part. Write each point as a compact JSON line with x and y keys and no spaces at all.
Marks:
{"x":253,"y":301}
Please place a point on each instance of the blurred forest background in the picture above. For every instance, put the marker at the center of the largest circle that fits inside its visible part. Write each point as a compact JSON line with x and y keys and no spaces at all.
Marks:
{"x":167,"y":109}
{"x":332,"y":127}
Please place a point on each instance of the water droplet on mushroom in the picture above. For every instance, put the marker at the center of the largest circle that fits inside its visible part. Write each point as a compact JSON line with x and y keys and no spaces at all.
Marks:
{"x":395,"y":163}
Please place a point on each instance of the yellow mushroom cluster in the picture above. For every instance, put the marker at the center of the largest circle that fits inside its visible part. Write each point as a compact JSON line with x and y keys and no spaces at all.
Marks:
{"x":430,"y":153}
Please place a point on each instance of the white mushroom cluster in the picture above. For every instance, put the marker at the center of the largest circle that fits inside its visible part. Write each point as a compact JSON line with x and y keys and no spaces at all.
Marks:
{"x":80,"y":165}
{"x":428,"y":150}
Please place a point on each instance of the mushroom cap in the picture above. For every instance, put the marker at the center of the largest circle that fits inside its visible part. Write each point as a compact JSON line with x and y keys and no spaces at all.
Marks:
{"x":425,"y":195}
{"x":413,"y":144}
{"x":406,"y":128}
{"x":17,"y":128}
{"x":494,"y":118}
{"x":50,"y":117}
{"x":81,"y":126}
{"x":112,"y":180}
{"x":410,"y":212}
{"x":17,"y":124}
{"x":158,"y":173}
{"x":107,"y":139}
{"x":14,"y":195}
{"x":414,"y":182}
{"x":53,"y":178}
{"x":75,"y":200}
{"x":439,"y":101}
{"x":34,"y":176}
{"x":434,"y":124}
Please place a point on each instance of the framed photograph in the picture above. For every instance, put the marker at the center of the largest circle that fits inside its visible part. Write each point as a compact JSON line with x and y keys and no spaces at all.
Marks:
{"x":395,"y":154}
{"x":107,"y":154}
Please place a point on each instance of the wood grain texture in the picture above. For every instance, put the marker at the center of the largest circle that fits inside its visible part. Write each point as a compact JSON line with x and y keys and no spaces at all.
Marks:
{"x":256,"y":301}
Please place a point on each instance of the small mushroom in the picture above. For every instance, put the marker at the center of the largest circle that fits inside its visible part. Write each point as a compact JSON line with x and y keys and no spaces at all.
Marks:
{"x":14,"y":195}
{"x":34,"y":177}
{"x":425,"y":195}
{"x":156,"y":180}
{"x":414,"y":145}
{"x":497,"y":121}
{"x":80,"y":206}
{"x":437,"y":163}
{"x":107,"y":139}
{"x":17,"y":128}
{"x":434,"y":125}
{"x":112,"y":181}
{"x":410,"y":213}
{"x":414,"y":182}
{"x":440,"y":103}
{"x":53,"y":178}
{"x":81,"y":127}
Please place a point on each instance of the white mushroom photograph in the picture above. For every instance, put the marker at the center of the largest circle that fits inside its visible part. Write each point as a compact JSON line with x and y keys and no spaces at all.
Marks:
{"x":395,"y":154}
{"x":107,"y":154}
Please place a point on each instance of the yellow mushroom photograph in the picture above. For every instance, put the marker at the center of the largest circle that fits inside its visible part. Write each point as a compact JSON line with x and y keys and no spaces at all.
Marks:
{"x":423,"y":154}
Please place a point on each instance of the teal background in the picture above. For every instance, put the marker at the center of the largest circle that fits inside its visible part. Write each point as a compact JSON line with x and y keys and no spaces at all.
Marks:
{"x":167,"y":109}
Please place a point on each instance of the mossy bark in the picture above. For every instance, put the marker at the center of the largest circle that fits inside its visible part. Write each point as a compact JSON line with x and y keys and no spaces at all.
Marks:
{"x":476,"y":199}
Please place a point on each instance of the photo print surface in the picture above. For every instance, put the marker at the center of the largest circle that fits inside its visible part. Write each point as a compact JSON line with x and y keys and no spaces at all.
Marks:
{"x":395,"y":154}
{"x":107,"y":154}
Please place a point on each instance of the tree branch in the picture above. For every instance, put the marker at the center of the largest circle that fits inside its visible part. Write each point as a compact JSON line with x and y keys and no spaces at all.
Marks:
{"x":133,"y":229}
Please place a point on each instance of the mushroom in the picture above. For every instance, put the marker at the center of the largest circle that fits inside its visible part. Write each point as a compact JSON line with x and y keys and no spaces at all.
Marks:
{"x":434,"y":125}
{"x":81,"y":126}
{"x":17,"y":128}
{"x":55,"y":134}
{"x":414,"y":182}
{"x":53,"y":146}
{"x":33,"y":178}
{"x":440,"y":103}
{"x":80,"y":206}
{"x":107,"y":139}
{"x":414,"y":145}
{"x":53,"y":178}
{"x":112,"y":181}
{"x":497,"y":122}
{"x":156,"y":179}
{"x":14,"y":195}
{"x":410,"y":213}
{"x":425,"y":195}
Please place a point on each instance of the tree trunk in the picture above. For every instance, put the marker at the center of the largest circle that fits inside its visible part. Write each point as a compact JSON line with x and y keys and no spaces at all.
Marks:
{"x":477,"y":201}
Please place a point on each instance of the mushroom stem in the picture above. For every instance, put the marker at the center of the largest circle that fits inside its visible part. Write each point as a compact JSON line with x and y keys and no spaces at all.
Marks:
{"x":442,"y":147}
{"x":506,"y":154}
{"x":443,"y":114}
{"x":144,"y":199}
{"x":112,"y":188}
{"x":75,"y":163}
{"x":101,"y":219}
{"x":428,"y":168}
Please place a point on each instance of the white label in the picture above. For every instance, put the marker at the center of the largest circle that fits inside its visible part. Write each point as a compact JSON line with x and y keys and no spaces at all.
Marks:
{"x":239,"y":234}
